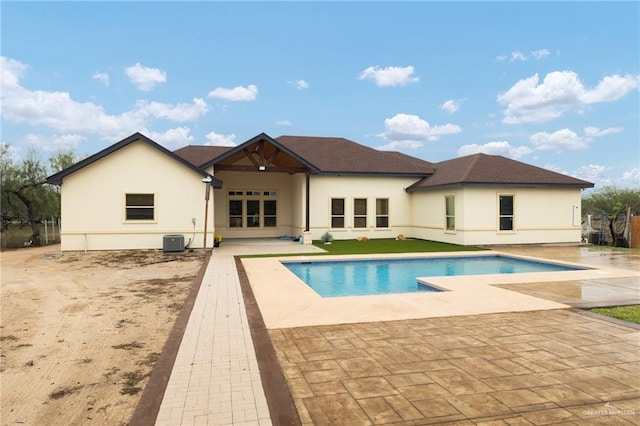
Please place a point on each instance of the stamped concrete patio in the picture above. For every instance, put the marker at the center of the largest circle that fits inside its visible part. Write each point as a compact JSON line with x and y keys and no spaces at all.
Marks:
{"x":527,"y":368}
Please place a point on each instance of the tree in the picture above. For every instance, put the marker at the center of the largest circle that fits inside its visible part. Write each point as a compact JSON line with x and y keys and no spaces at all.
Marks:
{"x":612,"y":202}
{"x":24,"y":193}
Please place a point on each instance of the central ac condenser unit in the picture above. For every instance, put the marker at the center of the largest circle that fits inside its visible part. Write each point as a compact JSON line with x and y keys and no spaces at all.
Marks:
{"x":173,"y":243}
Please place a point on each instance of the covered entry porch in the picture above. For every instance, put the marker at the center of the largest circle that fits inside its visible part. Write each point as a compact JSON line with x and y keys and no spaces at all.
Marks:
{"x":265,"y":192}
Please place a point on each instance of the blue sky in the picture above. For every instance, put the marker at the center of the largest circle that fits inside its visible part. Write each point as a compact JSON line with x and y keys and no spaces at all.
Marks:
{"x":550,"y":84}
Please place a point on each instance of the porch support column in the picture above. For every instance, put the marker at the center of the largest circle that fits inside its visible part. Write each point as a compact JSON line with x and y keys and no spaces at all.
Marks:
{"x":307,"y":202}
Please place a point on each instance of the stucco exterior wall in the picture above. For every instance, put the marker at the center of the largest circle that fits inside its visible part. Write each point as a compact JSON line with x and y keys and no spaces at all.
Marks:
{"x":541,"y":215}
{"x":93,"y":202}
{"x":324,"y":188}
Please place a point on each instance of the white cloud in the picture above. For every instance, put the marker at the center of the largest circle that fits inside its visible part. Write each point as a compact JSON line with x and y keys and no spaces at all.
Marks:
{"x":495,"y":148}
{"x":518,"y":56}
{"x":180,"y":112}
{"x":60,"y":113}
{"x":389,"y":76}
{"x":12,"y":72}
{"x":631,"y":178}
{"x":610,"y":88}
{"x":595,"y":132}
{"x":172,"y":138}
{"x":531,"y":101}
{"x":400,"y":146}
{"x":408,"y":131}
{"x":299,"y":84}
{"x":54,"y":143}
{"x":602,"y":176}
{"x":216,"y":139}
{"x":239,"y":93}
{"x":102,"y":77}
{"x":540,"y":53}
{"x":558,"y":141}
{"x":145,"y":78}
{"x":451,"y":106}
{"x":592,"y":173}
{"x":283,"y":123}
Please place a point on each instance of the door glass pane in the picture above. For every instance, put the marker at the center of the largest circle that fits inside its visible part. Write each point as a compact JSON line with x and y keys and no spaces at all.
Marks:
{"x":235,"y":213}
{"x":253,"y":213}
{"x":269,"y":213}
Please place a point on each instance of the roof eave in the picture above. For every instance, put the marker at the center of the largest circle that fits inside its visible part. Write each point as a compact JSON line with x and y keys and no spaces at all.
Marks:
{"x":385,"y":174}
{"x":415,"y":188}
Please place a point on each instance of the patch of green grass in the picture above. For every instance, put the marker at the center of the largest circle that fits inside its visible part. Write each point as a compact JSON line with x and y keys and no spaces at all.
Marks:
{"x":626,"y":313}
{"x":389,"y":245}
{"x":378,"y":246}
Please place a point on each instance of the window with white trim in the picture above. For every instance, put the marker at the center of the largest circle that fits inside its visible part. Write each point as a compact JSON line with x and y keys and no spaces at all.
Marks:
{"x":360,"y":213}
{"x":506,"y":212}
{"x":382,"y":212}
{"x":140,"y":207}
{"x":450,"y":212}
{"x":337,"y":212}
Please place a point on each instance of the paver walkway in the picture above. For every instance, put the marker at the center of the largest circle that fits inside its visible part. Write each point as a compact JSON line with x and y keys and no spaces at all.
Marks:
{"x":215,"y":379}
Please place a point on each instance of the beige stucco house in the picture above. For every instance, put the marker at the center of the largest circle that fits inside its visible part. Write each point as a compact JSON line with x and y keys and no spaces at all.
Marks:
{"x":135,"y":193}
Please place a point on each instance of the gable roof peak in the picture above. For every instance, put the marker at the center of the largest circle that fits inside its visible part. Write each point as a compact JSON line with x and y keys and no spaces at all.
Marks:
{"x":56,"y":178}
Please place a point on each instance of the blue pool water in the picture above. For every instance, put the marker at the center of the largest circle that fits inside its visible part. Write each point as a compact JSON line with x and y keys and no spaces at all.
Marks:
{"x":384,"y":276}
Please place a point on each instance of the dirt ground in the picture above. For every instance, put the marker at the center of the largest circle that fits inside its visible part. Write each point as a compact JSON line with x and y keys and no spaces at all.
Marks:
{"x":80,"y":333}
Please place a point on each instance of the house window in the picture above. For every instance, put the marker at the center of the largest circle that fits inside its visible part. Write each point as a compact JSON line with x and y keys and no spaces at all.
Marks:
{"x":506,"y":212}
{"x":235,"y":214}
{"x":382,"y":212}
{"x":140,"y":206}
{"x":337,"y":212}
{"x":450,"y":212}
{"x":360,"y":213}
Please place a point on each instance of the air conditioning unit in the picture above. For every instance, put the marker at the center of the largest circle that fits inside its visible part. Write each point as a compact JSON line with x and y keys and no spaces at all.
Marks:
{"x":173,"y":243}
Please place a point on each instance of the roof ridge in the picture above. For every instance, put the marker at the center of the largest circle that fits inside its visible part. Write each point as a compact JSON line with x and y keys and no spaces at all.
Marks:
{"x":472,"y":166}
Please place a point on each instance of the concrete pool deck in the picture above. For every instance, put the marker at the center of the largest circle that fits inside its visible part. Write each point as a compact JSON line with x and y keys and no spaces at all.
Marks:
{"x":536,"y":367}
{"x":286,"y":301}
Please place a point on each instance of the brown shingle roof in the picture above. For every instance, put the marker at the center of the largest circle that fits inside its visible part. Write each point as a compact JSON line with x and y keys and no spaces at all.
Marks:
{"x":342,"y":156}
{"x":493,"y":170}
{"x":199,"y":155}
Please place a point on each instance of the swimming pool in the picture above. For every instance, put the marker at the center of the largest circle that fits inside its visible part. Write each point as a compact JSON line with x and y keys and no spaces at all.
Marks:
{"x":385,"y":276}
